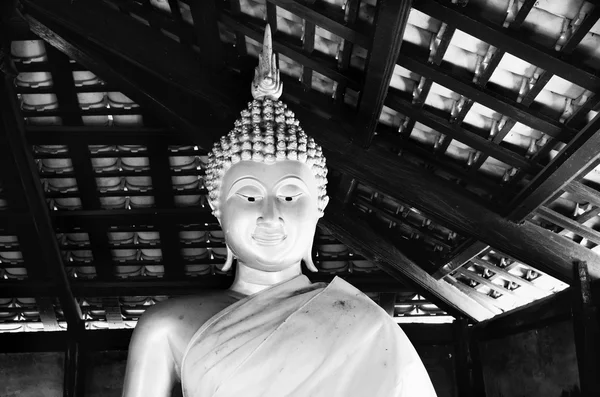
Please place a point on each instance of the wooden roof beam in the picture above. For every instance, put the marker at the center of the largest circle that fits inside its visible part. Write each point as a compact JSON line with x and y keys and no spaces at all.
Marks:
{"x":183,"y":286}
{"x":390,"y":21}
{"x":409,"y":183}
{"x":470,"y":249}
{"x":309,"y":14}
{"x":350,"y":227}
{"x":537,"y":87}
{"x":435,"y":57}
{"x":93,"y":135}
{"x":64,"y":86}
{"x":575,"y":159}
{"x":50,"y":21}
{"x":41,"y":245}
{"x":510,"y":41}
{"x":254,"y":28}
{"x":484,"y":77}
{"x":488,"y":98}
{"x":438,"y":123}
{"x":206,"y":27}
{"x":160,"y":172}
{"x":378,"y":168}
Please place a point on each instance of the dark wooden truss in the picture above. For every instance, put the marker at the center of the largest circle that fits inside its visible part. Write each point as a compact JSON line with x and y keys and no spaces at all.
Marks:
{"x":199,"y":97}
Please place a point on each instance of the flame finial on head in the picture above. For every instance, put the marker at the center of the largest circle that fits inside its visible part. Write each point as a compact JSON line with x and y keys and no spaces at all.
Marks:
{"x":267,"y":83}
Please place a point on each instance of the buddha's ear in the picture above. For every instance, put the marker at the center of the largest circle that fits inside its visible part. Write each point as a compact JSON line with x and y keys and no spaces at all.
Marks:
{"x":215,"y":212}
{"x":325,"y":201}
{"x":228,"y":261}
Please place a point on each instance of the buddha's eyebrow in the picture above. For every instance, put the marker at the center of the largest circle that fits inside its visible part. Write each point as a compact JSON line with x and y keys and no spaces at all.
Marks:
{"x":291,"y":180}
{"x":245,"y":181}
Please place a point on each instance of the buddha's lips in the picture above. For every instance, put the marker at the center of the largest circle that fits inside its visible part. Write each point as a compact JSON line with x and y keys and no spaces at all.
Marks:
{"x":268,"y":236}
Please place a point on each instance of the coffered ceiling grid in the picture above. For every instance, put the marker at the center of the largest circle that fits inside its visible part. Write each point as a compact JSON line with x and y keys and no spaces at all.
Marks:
{"x":452,"y":117}
{"x":118,"y":202}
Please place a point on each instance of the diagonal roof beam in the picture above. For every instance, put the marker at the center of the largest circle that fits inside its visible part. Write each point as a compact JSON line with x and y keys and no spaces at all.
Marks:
{"x":205,"y":16}
{"x":391,"y":175}
{"x":390,"y":22}
{"x":352,"y":230}
{"x":395,"y":101}
{"x":126,"y":39}
{"x":381,"y":170}
{"x":575,"y":159}
{"x":510,"y":41}
{"x":78,"y":31}
{"x":468,"y":250}
{"x":45,"y":249}
{"x":539,"y":84}
{"x":307,"y":13}
{"x":488,"y":98}
{"x":484,"y":77}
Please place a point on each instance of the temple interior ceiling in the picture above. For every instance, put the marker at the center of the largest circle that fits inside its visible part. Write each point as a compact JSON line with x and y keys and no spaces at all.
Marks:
{"x":469,"y":148}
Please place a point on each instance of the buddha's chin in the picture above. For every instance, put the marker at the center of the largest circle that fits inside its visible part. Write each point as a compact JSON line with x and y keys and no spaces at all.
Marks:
{"x":273,"y":261}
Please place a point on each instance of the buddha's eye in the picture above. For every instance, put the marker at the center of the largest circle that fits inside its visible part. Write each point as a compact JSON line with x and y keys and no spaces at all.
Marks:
{"x":250,"y":198}
{"x":289,"y":198}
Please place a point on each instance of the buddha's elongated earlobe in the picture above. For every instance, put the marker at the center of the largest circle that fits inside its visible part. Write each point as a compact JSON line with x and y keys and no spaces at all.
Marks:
{"x":228,"y":261}
{"x":309,"y":262}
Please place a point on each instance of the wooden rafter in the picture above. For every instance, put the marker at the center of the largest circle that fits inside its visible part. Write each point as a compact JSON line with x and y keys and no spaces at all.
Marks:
{"x":141,"y":91}
{"x":538,"y":86}
{"x":435,"y":57}
{"x":481,"y":80}
{"x":573,"y":160}
{"x":64,"y":26}
{"x":356,"y":233}
{"x":182,"y":286}
{"x":352,"y":8}
{"x":545,"y":311}
{"x":461,"y":256}
{"x":390,"y":23}
{"x":586,"y":330}
{"x":205,"y":17}
{"x":390,"y":175}
{"x":41,"y":242}
{"x":309,"y":14}
{"x":488,"y":98}
{"x":254,"y":29}
{"x":160,"y":168}
{"x":74,"y":375}
{"x":509,"y":41}
{"x":411,"y":184}
{"x":308,"y":46}
{"x":64,"y":85}
{"x":440,"y":124}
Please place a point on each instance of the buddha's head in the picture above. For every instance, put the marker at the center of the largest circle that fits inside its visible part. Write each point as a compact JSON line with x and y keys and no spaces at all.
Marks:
{"x":266,"y":180}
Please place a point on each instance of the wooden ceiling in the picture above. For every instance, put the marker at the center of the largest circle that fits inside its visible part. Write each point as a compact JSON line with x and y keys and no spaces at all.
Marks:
{"x":452,"y":175}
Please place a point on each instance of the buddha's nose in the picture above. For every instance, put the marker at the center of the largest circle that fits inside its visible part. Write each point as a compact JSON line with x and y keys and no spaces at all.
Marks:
{"x":270,"y":216}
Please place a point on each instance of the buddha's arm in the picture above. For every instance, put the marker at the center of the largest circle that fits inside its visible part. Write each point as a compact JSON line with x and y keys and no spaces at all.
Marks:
{"x":160,"y":339}
{"x":150,"y":363}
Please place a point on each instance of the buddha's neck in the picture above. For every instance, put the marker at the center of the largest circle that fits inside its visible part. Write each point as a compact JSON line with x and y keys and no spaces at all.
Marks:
{"x":249,"y":281}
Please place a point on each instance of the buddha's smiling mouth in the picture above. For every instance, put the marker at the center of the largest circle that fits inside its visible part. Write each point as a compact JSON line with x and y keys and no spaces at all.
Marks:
{"x":268,"y":237}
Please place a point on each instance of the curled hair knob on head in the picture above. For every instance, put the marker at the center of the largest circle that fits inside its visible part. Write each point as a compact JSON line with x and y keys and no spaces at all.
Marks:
{"x":267,"y":131}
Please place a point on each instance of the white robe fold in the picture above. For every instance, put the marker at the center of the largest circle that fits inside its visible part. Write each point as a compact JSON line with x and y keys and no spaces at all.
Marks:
{"x":302,"y":339}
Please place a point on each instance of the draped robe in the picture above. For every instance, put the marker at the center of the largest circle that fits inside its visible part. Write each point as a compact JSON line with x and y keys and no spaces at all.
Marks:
{"x":302,"y":339}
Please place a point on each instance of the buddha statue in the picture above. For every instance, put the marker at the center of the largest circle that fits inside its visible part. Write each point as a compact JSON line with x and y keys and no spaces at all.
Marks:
{"x":273,"y":333}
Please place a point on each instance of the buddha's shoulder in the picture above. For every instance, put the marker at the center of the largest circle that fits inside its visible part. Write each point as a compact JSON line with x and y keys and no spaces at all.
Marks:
{"x":344,"y":297}
{"x":189,"y":310}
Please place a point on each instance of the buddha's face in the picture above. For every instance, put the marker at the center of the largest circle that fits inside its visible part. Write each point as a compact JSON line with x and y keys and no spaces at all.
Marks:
{"x":269,"y":213}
